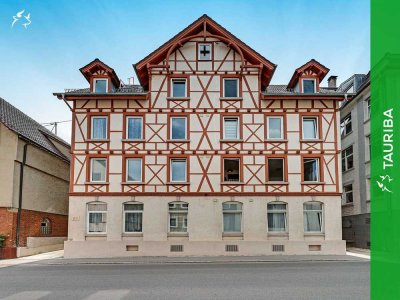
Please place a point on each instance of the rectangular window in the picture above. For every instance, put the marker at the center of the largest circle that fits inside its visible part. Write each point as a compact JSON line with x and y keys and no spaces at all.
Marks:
{"x":347,"y":159}
{"x":312,"y":217}
{"x":100,"y":85}
{"x":310,"y":128}
{"x":345,"y":125}
{"x":276,"y":217}
{"x":178,"y":170}
{"x":348,"y":193}
{"x":178,"y":128}
{"x":99,"y":128}
{"x":134,"y":170}
{"x":275,"y":128}
{"x":204,"y":51}
{"x":275,"y":169}
{"x":134,"y":128}
{"x":231,"y":128}
{"x":133,"y":216}
{"x":97,"y":218}
{"x":232,"y":214}
{"x":179,"y":88}
{"x":98,"y":170}
{"x":311,"y":169}
{"x":368,"y":138}
{"x":178,"y":215}
{"x":232,"y":169}
{"x":308,"y":86}
{"x":231,"y":88}
{"x":368,"y":108}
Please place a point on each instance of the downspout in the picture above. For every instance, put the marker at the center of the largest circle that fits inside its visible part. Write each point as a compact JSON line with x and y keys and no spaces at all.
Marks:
{"x":21,"y":184}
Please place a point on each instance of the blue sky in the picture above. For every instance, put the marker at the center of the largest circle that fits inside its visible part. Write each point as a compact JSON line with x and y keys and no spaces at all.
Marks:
{"x":66,"y":35}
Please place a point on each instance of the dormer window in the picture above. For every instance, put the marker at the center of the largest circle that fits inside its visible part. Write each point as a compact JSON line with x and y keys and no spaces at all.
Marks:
{"x":309,"y":86}
{"x":204,"y":51}
{"x":100,"y":86}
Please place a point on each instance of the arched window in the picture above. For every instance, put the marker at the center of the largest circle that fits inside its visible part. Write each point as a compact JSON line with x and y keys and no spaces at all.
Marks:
{"x":276,"y":214}
{"x":45,"y":227}
{"x":313,"y":221}
{"x":232,"y":214}
{"x":133,"y":216}
{"x":178,"y":216}
{"x":97,"y":217}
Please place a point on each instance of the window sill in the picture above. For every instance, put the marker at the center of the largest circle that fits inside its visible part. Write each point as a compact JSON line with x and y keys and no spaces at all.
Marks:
{"x":178,"y":234}
{"x":312,"y":183}
{"x":93,"y":234}
{"x":232,"y":234}
{"x":314,"y":234}
{"x":275,"y":140}
{"x":97,"y":183}
{"x":132,"y":234}
{"x":367,"y":162}
{"x":178,"y":183}
{"x":134,"y":140}
{"x":348,"y":204}
{"x":178,"y":98}
{"x":278,"y":234}
{"x":132,"y":183}
{"x":231,"y":141}
{"x":348,"y":170}
{"x":311,"y":140}
{"x":98,"y":140}
{"x":178,"y":141}
{"x":277,"y":183}
{"x":231,"y":98}
{"x":232,"y":183}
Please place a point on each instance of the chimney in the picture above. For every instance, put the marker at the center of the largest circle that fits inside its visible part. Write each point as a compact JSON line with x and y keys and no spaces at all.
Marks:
{"x":332,"y":81}
{"x":131,"y":80}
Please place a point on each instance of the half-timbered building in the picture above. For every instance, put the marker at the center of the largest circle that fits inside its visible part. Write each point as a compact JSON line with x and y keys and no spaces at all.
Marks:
{"x":204,"y":156}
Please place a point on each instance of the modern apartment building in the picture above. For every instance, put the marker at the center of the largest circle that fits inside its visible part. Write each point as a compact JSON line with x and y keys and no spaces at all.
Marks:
{"x":356,"y":146}
{"x":204,"y":157}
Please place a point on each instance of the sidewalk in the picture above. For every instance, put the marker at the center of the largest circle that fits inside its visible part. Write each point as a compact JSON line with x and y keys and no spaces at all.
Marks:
{"x":359,"y":252}
{"x":30,"y":259}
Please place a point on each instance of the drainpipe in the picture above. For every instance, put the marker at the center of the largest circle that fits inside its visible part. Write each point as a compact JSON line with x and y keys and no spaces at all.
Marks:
{"x":21,"y":184}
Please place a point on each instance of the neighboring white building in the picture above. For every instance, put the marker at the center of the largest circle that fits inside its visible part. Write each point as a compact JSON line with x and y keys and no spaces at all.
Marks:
{"x":356,"y":146}
{"x":205,"y":157}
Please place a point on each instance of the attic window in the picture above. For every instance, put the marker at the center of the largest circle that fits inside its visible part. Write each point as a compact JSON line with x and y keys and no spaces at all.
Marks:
{"x":204,"y":51}
{"x":100,"y":85}
{"x":308,"y":86}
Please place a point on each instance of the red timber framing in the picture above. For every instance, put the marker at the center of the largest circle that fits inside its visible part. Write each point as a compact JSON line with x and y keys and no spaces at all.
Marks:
{"x":204,"y":108}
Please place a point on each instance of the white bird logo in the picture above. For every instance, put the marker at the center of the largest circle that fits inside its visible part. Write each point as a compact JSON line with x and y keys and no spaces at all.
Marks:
{"x":28,"y":18}
{"x":17,"y":17}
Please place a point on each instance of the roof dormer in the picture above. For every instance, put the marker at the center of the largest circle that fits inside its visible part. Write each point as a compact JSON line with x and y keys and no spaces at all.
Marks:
{"x":307,"y":78}
{"x":101,"y":77}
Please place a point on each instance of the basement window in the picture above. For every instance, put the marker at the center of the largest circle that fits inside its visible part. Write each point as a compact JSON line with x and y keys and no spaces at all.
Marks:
{"x":232,"y":169}
{"x":45,"y":227}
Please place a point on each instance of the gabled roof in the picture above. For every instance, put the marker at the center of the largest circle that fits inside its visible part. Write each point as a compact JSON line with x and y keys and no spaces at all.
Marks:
{"x":25,"y":126}
{"x":95,"y":65}
{"x":312,"y":65}
{"x":200,"y":27}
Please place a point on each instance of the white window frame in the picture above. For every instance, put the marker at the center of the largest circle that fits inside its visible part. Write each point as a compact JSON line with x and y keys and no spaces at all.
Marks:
{"x":322,"y":217}
{"x":127,"y":169}
{"x":170,"y":167}
{"x":88,"y":212}
{"x":170,"y":129}
{"x":127,"y":127}
{"x":91,"y":169}
{"x":318,"y":169}
{"x":346,"y":156}
{"x":131,"y":211}
{"x":343,"y":123}
{"x":279,"y":211}
{"x":92,"y":127}
{"x":199,"y":49}
{"x":94,"y":85}
{"x":237,"y":128}
{"x":368,"y":109}
{"x":275,"y":117}
{"x":305,"y":79}
{"x":283,"y":166}
{"x":347,"y":192}
{"x":237,"y":86}
{"x":182,"y":211}
{"x":232,"y":212}
{"x":316,"y":127}
{"x":172,"y":87}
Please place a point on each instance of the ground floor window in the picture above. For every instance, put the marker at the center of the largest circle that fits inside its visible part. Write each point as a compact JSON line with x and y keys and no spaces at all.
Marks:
{"x":97,"y":218}
{"x":276,"y":217}
{"x":133,"y":216}
{"x":178,"y":216}
{"x":312,"y":217}
{"x":232,"y":213}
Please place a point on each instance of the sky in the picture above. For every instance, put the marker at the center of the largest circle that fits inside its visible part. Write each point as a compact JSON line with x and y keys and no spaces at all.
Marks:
{"x":65,"y":35}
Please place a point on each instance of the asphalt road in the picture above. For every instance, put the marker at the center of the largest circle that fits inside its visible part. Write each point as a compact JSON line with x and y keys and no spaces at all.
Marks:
{"x":274,"y":280}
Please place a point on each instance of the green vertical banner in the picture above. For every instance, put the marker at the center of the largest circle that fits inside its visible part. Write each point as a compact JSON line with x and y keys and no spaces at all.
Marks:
{"x":385,"y":147}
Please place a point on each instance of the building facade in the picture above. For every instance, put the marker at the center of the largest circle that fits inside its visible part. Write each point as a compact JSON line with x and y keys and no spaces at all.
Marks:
{"x":34,"y":184}
{"x":204,"y":157}
{"x":356,"y":145}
